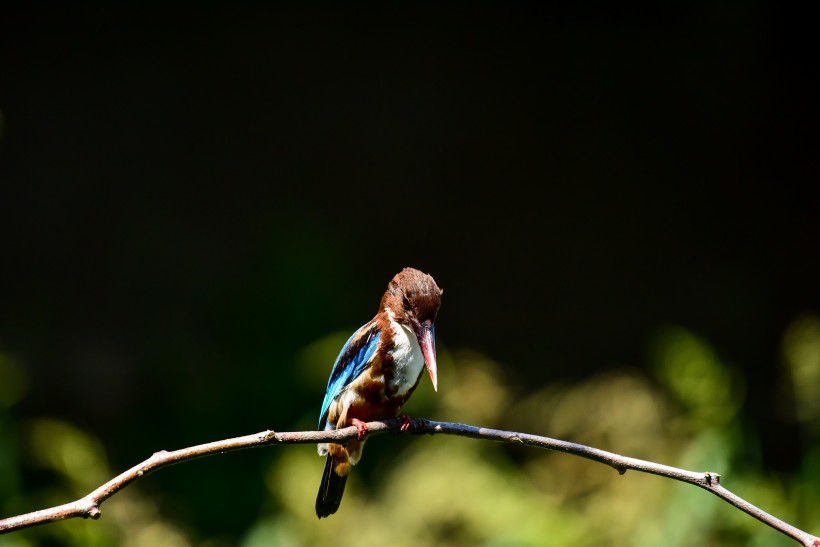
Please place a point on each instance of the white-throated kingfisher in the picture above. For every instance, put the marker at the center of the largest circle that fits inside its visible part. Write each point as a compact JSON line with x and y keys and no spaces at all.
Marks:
{"x":376,"y":372}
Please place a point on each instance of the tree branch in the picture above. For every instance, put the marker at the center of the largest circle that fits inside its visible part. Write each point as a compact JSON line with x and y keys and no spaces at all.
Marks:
{"x":89,"y":506}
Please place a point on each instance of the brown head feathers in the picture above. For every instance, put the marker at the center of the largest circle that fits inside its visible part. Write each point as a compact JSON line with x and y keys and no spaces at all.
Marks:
{"x":414,"y":293}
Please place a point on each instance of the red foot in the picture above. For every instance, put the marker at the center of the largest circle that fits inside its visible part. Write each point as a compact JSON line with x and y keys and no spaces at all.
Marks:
{"x":361,"y":426}
{"x":405,"y":422}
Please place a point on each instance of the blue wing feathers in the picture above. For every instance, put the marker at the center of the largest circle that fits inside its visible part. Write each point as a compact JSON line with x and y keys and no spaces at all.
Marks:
{"x":353,"y":359}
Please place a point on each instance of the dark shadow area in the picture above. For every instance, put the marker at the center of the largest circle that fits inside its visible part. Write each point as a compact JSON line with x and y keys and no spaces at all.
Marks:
{"x":189,"y":198}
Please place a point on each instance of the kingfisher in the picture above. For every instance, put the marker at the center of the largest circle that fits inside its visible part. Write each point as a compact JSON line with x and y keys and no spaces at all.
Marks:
{"x":375,"y":373}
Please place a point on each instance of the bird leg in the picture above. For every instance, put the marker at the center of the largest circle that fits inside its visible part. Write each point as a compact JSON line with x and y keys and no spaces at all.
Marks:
{"x":361,"y":427}
{"x":405,"y":422}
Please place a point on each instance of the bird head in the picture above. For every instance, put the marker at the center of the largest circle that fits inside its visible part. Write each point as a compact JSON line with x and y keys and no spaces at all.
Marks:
{"x":414,"y":298}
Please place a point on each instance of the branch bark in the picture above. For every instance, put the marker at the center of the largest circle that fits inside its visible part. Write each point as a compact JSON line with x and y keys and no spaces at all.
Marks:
{"x":89,"y":506}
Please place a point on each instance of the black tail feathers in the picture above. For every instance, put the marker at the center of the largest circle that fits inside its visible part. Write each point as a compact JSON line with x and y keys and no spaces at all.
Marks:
{"x":330,"y":491}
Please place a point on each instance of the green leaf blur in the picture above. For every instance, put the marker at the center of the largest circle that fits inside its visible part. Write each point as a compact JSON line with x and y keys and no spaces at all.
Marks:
{"x":441,"y":490}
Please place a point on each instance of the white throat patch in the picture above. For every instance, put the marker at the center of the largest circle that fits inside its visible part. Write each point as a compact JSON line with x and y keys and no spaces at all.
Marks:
{"x":408,"y":361}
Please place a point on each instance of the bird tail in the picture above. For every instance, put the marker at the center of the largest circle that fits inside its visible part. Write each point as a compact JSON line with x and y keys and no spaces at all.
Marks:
{"x":330,"y":491}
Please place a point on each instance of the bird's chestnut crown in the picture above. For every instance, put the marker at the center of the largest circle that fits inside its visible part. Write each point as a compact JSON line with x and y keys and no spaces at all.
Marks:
{"x":413,"y":293}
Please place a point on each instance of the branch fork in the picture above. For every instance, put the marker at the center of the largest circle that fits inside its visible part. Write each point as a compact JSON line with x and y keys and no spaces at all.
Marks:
{"x":89,"y":506}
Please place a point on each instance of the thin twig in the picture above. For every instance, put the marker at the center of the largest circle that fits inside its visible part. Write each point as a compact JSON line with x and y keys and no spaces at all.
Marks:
{"x":89,"y":506}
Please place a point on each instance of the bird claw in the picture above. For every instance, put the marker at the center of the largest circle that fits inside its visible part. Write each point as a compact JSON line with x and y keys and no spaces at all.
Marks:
{"x":361,"y":427}
{"x":405,"y":422}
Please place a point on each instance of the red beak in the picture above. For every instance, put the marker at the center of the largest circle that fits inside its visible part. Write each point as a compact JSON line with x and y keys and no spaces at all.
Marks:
{"x":426,"y":335}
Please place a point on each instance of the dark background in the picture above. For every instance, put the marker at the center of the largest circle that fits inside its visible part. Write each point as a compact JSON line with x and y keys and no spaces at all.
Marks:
{"x":189,"y":197}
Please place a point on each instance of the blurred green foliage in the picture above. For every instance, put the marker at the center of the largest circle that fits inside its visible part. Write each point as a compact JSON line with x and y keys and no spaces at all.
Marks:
{"x":442,"y":490}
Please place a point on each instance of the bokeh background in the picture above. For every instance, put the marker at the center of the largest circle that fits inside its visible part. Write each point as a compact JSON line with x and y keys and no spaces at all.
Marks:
{"x":198,"y":205}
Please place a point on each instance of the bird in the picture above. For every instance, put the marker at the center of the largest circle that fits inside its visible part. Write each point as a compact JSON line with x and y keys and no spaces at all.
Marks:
{"x":375,"y":373}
